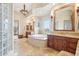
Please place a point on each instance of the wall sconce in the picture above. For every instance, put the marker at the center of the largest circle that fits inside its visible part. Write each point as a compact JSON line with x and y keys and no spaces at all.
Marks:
{"x":51,"y":17}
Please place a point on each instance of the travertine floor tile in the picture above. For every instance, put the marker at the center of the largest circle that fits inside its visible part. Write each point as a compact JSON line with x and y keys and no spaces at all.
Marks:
{"x":25,"y":49}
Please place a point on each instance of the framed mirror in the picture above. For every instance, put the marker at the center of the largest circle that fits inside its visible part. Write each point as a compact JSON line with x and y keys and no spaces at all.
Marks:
{"x":63,"y":18}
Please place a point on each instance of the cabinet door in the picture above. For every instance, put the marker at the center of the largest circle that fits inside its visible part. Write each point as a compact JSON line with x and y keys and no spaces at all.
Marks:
{"x":55,"y":45}
{"x":60,"y":44}
{"x":50,"y":41}
{"x":64,"y":44}
{"x":71,"y":45}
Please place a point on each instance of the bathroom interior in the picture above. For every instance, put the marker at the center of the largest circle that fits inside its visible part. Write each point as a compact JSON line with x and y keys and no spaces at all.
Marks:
{"x":53,"y":29}
{"x":39,"y":29}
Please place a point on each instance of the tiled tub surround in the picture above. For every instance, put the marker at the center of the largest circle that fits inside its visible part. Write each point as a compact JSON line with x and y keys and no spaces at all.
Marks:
{"x":38,"y":40}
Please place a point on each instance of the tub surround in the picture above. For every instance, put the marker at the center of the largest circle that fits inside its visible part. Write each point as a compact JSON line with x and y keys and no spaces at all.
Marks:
{"x":38,"y":40}
{"x":38,"y":36}
{"x":39,"y":43}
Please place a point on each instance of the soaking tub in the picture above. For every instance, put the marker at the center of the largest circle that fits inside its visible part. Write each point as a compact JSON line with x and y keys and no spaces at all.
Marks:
{"x":38,"y":40}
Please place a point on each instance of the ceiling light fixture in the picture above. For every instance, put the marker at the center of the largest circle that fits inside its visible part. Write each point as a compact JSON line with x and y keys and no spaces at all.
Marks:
{"x":24,"y":11}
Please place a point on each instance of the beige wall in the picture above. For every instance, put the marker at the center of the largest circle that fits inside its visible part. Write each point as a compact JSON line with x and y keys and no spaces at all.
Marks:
{"x":20,"y":17}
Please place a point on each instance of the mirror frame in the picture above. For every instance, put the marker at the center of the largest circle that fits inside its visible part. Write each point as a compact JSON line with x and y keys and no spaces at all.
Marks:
{"x":72,"y":17}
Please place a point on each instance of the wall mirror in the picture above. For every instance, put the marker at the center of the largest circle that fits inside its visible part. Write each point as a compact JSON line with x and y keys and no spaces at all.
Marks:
{"x":63,"y":18}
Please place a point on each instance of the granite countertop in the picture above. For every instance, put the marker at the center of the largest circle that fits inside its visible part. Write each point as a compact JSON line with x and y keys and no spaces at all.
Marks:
{"x":65,"y":35}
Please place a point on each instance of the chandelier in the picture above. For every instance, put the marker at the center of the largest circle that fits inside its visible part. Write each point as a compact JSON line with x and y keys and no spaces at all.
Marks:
{"x":24,"y":11}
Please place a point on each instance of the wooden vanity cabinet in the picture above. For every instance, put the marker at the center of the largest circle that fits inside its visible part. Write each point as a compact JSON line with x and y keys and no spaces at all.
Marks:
{"x":71,"y":45}
{"x":59,"y":44}
{"x":62,"y":43}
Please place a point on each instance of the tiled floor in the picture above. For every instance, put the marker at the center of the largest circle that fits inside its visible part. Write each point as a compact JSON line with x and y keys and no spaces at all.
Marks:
{"x":25,"y":49}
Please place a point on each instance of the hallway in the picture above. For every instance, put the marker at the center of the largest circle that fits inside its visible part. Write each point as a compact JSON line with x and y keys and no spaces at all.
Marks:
{"x":25,"y":49}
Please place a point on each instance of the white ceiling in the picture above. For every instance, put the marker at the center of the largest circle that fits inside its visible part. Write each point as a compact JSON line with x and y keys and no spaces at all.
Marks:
{"x":29,"y":6}
{"x":43,"y":11}
{"x":38,"y":9}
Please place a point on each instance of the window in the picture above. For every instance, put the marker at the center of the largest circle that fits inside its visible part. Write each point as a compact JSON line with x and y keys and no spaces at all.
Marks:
{"x":47,"y":25}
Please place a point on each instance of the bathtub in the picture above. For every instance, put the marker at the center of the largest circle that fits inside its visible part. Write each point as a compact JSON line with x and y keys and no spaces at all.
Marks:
{"x":38,"y":40}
